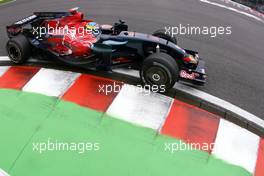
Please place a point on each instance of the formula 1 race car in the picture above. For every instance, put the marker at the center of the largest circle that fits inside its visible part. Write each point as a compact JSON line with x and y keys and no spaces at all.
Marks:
{"x":71,"y":39}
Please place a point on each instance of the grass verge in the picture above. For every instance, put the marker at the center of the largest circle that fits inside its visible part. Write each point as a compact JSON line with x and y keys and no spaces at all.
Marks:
{"x":5,"y":1}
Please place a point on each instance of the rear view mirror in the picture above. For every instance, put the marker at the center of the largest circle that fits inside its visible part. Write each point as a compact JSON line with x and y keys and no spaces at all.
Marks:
{"x":74,"y":10}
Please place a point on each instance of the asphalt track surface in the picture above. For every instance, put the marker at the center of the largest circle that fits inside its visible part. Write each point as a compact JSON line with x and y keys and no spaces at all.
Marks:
{"x":235,"y":63}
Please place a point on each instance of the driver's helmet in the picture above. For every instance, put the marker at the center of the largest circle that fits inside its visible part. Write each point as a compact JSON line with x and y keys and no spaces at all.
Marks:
{"x":93,"y":27}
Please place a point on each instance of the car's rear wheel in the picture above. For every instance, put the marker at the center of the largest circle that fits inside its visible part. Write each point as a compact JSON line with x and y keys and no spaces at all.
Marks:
{"x":161,"y":33}
{"x":159,"y":70}
{"x":18,"y":49}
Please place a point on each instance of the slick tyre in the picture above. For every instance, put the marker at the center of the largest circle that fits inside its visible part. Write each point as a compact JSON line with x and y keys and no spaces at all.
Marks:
{"x":159,"y":70}
{"x":161,"y":33}
{"x":18,"y":49}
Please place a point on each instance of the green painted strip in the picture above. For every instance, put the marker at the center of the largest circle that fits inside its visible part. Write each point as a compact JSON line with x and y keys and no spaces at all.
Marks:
{"x":124,"y":149}
{"x":5,"y":1}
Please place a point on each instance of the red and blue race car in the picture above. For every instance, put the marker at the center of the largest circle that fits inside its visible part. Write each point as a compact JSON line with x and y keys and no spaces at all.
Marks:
{"x":73,"y":40}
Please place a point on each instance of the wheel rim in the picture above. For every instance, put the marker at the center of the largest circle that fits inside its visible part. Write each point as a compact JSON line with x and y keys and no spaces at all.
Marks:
{"x":14,"y":53}
{"x":156,"y":76}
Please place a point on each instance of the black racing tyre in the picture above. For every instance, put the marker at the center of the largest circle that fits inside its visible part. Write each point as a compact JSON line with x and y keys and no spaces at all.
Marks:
{"x":18,"y":49}
{"x":159,"y":70}
{"x":161,"y":33}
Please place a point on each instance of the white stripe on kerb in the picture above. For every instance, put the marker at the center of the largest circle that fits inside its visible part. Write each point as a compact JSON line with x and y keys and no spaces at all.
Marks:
{"x":236,"y":145}
{"x":144,"y":109}
{"x":4,"y":58}
{"x":3,"y":69}
{"x":3,"y":173}
{"x":205,"y":96}
{"x":51,"y":82}
{"x":129,"y":72}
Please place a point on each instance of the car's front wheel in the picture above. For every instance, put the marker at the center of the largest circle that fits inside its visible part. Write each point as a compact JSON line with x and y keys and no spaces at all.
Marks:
{"x":18,"y":49}
{"x":159,"y":70}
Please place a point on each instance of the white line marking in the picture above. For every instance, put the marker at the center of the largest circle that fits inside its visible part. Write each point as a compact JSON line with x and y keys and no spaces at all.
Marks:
{"x":51,"y":82}
{"x":236,"y":145}
{"x":7,"y":2}
{"x":3,"y":173}
{"x":232,"y":9}
{"x":3,"y":69}
{"x":244,"y":7}
{"x":135,"y":106}
{"x":4,"y":58}
{"x":205,"y":96}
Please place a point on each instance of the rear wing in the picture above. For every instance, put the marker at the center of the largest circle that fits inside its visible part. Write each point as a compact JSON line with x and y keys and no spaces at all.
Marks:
{"x":17,"y":26}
